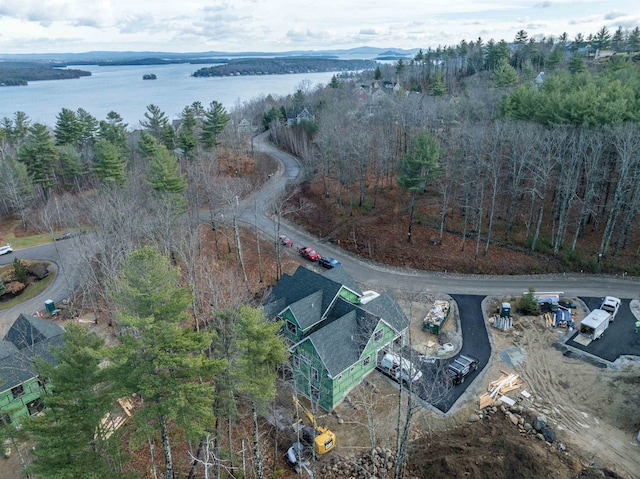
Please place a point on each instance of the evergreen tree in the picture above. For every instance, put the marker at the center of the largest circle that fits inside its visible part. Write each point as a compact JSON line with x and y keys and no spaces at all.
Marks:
{"x":110,"y":163}
{"x":633,"y":42}
{"x":147,"y":146}
{"x":419,"y":165}
{"x":89,"y":130}
{"x":617,"y":41}
{"x":161,"y":358}
{"x":400,"y":67}
{"x":504,"y":74}
{"x":155,"y":122}
{"x":114,"y":130}
{"x":68,"y":129}
{"x":71,"y":167}
{"x":377,"y":73}
{"x":602,"y":39}
{"x":40,"y":156}
{"x":187,"y":138}
{"x":437,"y":86}
{"x":554,"y":59}
{"x":334,"y":83}
{"x":576,"y":64}
{"x":164,"y":175}
{"x":215,"y":120}
{"x":67,"y":438}
{"x":273,"y":114}
{"x":261,"y":351}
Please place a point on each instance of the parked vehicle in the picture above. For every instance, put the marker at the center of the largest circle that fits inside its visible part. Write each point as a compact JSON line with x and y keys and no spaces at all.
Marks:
{"x":611,"y":304}
{"x":399,"y":368}
{"x":285,"y":241}
{"x":309,"y":253}
{"x":595,"y":323}
{"x":6,"y":249}
{"x":461,"y":367}
{"x":328,"y":262}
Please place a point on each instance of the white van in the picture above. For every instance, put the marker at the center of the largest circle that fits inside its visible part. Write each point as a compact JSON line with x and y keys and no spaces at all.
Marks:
{"x":399,"y":368}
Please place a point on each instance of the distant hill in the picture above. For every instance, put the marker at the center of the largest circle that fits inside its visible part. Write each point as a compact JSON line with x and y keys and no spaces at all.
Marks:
{"x":147,"y":58}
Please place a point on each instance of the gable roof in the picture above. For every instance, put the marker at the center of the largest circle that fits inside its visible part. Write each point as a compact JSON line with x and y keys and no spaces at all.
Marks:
{"x":342,"y":337}
{"x":303,"y":284}
{"x":27,"y":338}
{"x":386,"y":307}
{"x":339,"y":275}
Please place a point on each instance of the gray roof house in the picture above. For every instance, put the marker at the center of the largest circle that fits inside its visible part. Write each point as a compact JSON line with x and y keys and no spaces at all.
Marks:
{"x":27,"y":338}
{"x":334,"y":331}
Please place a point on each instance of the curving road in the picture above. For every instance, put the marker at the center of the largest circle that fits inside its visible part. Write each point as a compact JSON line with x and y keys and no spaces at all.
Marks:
{"x":376,"y":276}
{"x":382,"y":277}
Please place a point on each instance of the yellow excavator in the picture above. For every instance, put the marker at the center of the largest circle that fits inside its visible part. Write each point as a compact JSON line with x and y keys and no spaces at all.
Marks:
{"x":323,"y":439}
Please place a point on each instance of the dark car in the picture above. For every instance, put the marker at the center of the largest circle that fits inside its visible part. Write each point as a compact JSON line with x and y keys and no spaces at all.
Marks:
{"x":461,"y":367}
{"x":328,"y":262}
{"x":309,"y":253}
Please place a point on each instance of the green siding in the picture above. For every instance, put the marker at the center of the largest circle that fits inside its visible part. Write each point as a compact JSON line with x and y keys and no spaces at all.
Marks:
{"x":331,"y":391}
{"x":349,"y":295}
{"x":17,"y":407}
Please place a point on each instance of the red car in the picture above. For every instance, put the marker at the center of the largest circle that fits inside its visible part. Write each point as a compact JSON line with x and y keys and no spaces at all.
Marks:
{"x":309,"y":253}
{"x":285,"y":241}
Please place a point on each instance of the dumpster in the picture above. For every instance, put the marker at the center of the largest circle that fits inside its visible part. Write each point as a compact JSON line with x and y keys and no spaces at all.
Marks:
{"x":436,"y":318}
{"x":50,"y":305}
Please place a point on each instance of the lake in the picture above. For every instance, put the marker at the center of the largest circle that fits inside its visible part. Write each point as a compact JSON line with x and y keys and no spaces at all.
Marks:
{"x":122,"y":89}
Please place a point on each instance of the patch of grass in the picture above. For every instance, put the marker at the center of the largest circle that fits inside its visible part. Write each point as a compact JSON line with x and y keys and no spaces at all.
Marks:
{"x":20,"y":242}
{"x":30,"y":292}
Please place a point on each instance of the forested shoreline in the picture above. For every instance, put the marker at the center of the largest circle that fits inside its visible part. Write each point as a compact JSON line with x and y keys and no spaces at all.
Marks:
{"x":280,"y":66}
{"x":21,"y":73}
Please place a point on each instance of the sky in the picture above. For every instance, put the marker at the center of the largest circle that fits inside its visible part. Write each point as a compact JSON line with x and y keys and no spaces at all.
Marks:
{"x":75,"y":26}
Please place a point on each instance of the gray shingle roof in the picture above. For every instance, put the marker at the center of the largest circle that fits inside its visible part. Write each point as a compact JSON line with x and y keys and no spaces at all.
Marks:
{"x":342,"y":337}
{"x":27,"y":338}
{"x":386,"y":307}
{"x":339,"y":275}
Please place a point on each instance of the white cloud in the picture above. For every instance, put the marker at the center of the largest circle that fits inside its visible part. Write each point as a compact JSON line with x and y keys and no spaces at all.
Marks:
{"x":277,"y":25}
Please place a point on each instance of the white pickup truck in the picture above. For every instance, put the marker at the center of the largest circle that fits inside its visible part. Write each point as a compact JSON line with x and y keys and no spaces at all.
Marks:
{"x":6,"y":249}
{"x":611,"y":304}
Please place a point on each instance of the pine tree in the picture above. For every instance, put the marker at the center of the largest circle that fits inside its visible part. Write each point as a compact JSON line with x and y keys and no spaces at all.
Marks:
{"x":419,"y":166}
{"x":215,"y":120}
{"x":187,"y":134}
{"x":68,"y":129}
{"x":40,"y":155}
{"x":261,"y":351}
{"x":110,"y":163}
{"x":67,"y":440}
{"x":504,"y":74}
{"x":164,"y":175}
{"x":161,"y":358}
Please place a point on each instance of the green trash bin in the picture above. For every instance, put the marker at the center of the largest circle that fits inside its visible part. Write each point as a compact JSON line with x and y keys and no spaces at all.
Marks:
{"x":50,"y":305}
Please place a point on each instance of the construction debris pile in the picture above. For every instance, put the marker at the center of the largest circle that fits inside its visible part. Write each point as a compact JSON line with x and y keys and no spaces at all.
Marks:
{"x":360,"y":467}
{"x":437,"y":316}
{"x":501,"y":386}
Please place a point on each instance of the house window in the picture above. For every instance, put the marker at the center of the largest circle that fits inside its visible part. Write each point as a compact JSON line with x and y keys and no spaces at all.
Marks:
{"x":296,"y":362}
{"x":366,"y":361}
{"x":352,"y":369}
{"x":17,"y":391}
{"x":338,"y":377}
{"x":314,"y":374}
{"x":315,"y":393}
{"x":35,"y":406}
{"x":377,"y":337}
{"x":292,"y":328}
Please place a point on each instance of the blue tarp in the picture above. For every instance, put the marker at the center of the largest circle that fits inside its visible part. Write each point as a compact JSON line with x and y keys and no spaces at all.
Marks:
{"x":563,"y":315}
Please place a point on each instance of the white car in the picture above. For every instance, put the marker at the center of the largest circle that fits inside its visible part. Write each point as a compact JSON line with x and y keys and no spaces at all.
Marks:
{"x":6,"y":249}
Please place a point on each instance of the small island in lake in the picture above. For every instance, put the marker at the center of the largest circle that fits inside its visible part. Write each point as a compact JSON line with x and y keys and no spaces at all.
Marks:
{"x":149,"y":76}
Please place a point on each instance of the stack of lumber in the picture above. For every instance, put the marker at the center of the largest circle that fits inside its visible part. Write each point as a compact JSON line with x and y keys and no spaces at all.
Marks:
{"x":548,"y":320}
{"x":504,"y":384}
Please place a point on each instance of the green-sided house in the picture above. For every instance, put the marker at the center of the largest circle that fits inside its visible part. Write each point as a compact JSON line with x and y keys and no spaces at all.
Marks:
{"x":20,"y":388}
{"x":335,"y":332}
